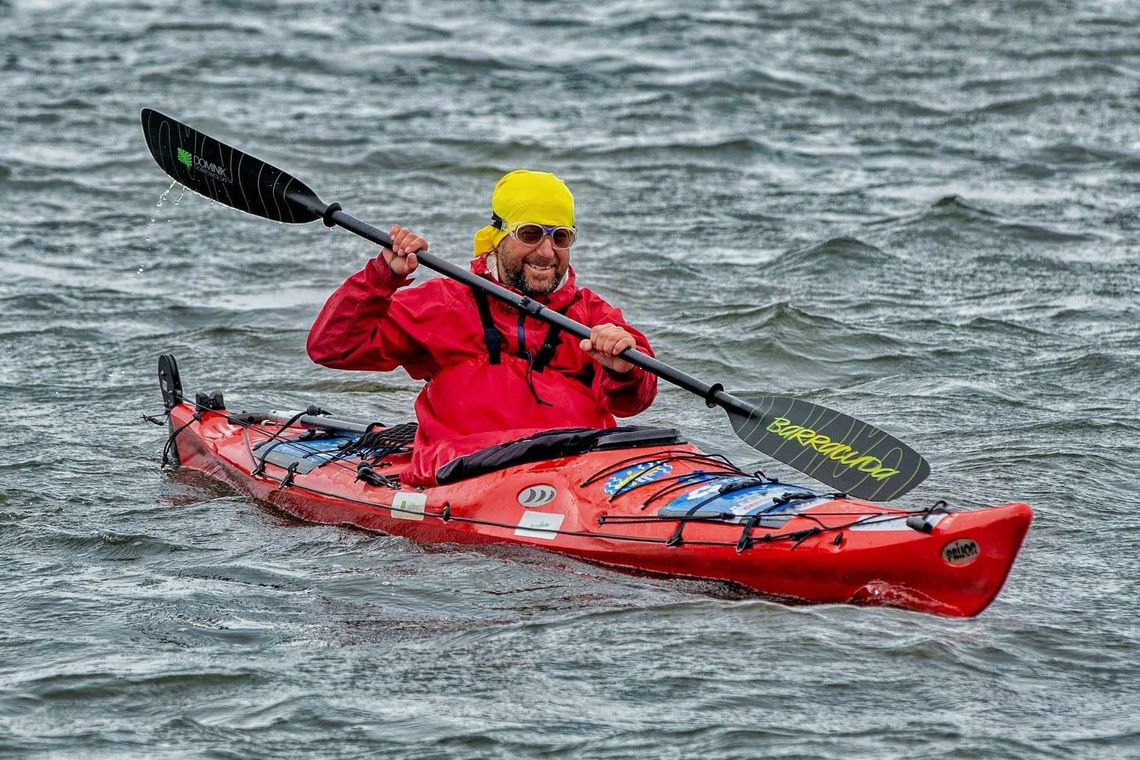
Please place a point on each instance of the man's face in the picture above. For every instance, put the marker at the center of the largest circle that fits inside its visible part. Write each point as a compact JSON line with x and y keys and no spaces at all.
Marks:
{"x":534,"y":270}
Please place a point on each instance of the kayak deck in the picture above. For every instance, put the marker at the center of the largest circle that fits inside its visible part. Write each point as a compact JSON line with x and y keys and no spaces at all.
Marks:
{"x":655,"y":506}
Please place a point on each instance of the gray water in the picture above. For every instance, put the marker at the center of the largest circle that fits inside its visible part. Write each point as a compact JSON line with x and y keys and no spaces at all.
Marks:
{"x":924,"y":214}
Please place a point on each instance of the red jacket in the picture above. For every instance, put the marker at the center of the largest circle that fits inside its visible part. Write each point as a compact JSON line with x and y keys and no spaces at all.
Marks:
{"x":434,"y":331}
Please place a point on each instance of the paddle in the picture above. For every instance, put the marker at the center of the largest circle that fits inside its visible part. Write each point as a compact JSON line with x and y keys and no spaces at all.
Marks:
{"x":851,"y":456}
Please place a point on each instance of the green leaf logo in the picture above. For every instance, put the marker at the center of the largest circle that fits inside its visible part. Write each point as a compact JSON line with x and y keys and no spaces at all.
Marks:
{"x":184,"y":157}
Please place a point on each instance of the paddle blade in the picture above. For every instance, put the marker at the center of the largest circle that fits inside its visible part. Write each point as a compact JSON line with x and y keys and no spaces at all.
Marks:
{"x":849,"y":455}
{"x":226,"y":175}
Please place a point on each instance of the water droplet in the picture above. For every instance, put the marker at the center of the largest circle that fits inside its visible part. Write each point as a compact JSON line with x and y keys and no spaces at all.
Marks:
{"x":162,"y":198}
{"x":157,"y":208}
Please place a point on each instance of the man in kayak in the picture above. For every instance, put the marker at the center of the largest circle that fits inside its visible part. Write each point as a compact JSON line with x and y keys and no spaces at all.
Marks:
{"x":493,"y":373}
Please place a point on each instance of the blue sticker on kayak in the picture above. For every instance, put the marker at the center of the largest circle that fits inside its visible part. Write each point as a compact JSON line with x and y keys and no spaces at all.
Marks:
{"x":761,"y":497}
{"x":636,"y":475}
{"x":307,"y":454}
{"x":314,"y":448}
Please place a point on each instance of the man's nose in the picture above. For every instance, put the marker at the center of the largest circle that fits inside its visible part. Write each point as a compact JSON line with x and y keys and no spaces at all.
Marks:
{"x":546,"y":247}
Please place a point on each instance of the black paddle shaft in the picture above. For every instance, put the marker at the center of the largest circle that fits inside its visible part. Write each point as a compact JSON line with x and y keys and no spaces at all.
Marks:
{"x":841,"y":451}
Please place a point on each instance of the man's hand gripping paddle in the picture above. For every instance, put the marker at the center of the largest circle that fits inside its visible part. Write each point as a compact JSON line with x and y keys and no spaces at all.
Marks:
{"x":850,"y":456}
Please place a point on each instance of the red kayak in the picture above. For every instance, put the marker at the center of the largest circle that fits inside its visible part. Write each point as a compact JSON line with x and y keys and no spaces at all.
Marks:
{"x":634,"y":498}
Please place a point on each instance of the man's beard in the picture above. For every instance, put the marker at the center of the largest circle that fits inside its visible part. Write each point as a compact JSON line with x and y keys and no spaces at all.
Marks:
{"x":517,"y":280}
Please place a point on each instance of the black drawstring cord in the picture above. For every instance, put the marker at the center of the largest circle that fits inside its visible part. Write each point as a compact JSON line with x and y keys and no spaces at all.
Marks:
{"x":525,"y":356}
{"x":530,"y":382}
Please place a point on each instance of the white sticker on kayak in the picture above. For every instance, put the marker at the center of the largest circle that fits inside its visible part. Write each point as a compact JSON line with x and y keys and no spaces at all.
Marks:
{"x":539,"y":525}
{"x":408,"y":505}
{"x":961,"y":552}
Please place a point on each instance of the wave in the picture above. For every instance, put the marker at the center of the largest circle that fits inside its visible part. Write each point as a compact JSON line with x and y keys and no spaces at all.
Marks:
{"x":791,"y":347}
{"x":951,"y":205}
{"x":1076,"y":154}
{"x":836,"y":255}
{"x":108,"y":545}
{"x":955,"y":213}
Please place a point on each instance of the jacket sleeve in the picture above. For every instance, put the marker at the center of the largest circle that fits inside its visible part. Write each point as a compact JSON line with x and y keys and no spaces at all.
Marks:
{"x":359,"y":328}
{"x":631,"y":393}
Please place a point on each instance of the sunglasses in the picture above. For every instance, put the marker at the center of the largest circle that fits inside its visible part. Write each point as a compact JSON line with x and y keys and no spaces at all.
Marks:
{"x":531,"y":234}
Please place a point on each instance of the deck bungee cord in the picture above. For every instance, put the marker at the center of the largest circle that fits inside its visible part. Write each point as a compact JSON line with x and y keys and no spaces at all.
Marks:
{"x":322,"y":455}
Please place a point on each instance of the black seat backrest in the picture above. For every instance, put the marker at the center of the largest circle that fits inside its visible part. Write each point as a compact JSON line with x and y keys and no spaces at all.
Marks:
{"x":552,"y":444}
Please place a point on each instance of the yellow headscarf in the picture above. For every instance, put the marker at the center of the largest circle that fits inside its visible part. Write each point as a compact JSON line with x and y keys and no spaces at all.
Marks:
{"x":525,"y":196}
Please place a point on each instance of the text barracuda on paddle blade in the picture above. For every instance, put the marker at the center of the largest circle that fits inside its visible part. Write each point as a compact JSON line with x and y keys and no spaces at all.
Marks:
{"x":845,"y":453}
{"x":833,"y":448}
